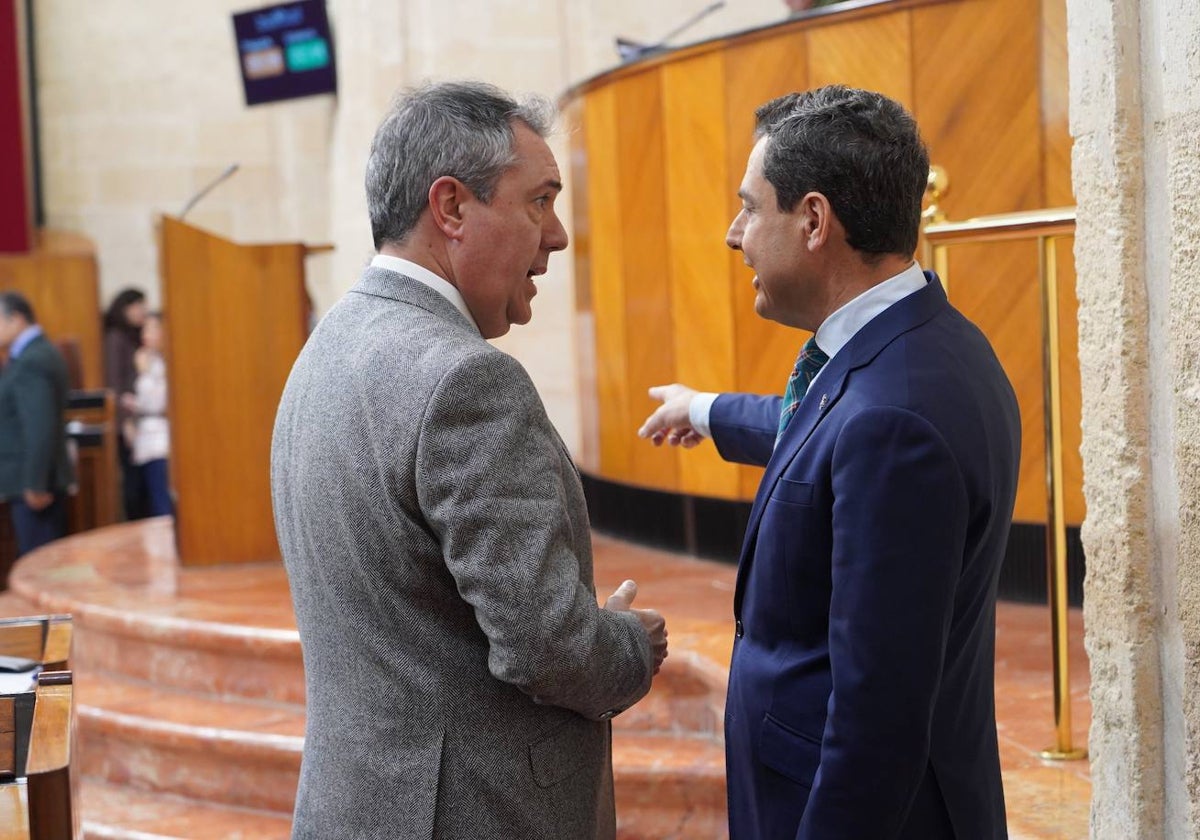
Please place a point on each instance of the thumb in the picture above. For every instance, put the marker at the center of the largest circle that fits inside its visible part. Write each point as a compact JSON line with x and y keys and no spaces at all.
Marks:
{"x":622,"y":597}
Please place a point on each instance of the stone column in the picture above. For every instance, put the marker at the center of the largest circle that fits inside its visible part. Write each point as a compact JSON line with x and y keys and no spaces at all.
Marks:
{"x":1135,"y":116}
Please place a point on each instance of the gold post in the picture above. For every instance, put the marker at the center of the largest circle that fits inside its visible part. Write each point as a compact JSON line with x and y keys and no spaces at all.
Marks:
{"x":1056,"y":527}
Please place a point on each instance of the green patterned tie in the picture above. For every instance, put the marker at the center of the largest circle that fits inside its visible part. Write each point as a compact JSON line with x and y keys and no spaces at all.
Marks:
{"x":808,"y":364}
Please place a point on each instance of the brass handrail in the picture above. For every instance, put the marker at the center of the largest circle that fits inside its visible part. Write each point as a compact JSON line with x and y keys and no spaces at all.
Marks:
{"x":1047,"y":227}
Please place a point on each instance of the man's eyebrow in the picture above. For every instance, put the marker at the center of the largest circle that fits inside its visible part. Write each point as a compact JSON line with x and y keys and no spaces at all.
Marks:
{"x":554,"y":185}
{"x":744,"y":196}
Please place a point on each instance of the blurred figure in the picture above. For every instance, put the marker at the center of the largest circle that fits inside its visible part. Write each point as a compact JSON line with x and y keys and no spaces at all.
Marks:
{"x":796,"y":6}
{"x":147,"y":409}
{"x":34,"y":468}
{"x":122,"y":337}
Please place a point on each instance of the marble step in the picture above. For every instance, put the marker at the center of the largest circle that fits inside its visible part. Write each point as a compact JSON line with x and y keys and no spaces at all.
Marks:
{"x":669,"y":787}
{"x":645,"y":811}
{"x":112,"y":812}
{"x":232,"y":752}
{"x":247,"y":753}
{"x":212,"y":657}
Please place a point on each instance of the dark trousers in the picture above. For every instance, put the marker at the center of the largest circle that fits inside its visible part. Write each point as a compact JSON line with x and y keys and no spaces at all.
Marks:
{"x":133,"y":485}
{"x":158,"y":487}
{"x":35,"y":528}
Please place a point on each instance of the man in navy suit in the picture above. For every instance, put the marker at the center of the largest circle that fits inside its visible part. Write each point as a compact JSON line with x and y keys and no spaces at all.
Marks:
{"x":860,"y":702}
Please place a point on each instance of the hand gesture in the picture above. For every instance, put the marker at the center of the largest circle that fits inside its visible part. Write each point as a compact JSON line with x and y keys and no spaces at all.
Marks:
{"x":652,"y":621}
{"x":670,"y":421}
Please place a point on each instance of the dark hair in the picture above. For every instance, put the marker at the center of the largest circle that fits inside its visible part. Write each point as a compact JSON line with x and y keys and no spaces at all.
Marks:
{"x":860,"y":150}
{"x":460,"y":129}
{"x":114,"y":316}
{"x":15,"y":303}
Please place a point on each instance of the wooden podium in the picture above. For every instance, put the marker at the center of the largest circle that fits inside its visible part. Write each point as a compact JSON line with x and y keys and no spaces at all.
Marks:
{"x":236,"y":318}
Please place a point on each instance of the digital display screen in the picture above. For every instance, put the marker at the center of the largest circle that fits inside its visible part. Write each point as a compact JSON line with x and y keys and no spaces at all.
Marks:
{"x":285,"y":51}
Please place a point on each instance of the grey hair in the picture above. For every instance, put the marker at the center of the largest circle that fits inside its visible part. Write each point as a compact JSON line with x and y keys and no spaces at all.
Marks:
{"x":459,"y":129}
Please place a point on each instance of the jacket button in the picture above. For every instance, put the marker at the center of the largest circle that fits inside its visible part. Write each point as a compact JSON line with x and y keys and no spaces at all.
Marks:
{"x":739,"y":630}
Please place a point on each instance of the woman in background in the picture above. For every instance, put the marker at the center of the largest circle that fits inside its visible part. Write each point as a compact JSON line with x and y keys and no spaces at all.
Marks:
{"x":122,"y":336}
{"x":147,"y":406}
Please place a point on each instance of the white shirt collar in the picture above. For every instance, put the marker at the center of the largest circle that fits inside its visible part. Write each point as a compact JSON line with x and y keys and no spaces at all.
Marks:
{"x":841,"y":326}
{"x":22,"y":341}
{"x":425,"y":276}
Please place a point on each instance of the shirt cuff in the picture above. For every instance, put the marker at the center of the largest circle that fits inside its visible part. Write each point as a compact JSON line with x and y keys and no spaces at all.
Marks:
{"x":699,"y":409}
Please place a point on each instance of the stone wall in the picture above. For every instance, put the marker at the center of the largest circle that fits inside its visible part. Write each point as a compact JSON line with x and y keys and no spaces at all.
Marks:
{"x":1135,"y":116}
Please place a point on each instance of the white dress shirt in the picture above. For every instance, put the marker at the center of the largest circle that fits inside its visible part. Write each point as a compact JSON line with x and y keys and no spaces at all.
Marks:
{"x":835,"y":332}
{"x":428,"y":278}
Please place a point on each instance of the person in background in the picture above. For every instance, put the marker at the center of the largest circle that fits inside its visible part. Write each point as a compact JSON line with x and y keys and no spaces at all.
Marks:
{"x":147,"y":408}
{"x":35,"y":470}
{"x":122,"y":336}
{"x":797,"y":6}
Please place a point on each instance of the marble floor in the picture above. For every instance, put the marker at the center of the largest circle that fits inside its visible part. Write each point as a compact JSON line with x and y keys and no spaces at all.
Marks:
{"x":136,"y":610}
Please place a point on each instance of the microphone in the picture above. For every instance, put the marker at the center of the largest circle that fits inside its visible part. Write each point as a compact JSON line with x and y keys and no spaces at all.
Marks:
{"x":631,"y":50}
{"x":225,"y":173}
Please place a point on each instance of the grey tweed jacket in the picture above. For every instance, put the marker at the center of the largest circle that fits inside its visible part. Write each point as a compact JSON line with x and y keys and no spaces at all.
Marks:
{"x":459,"y":672}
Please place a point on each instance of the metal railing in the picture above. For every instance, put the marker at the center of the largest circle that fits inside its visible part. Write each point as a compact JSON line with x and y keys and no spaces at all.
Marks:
{"x":1048,"y":227}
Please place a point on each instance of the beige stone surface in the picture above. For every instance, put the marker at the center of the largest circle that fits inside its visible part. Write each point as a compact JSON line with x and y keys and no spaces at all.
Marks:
{"x":1135,"y":114}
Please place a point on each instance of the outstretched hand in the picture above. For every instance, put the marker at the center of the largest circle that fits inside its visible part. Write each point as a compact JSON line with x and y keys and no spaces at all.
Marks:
{"x":671,"y":422}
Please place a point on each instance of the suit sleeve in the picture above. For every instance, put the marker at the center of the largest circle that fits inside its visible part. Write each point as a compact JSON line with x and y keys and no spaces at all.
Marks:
{"x":743,"y":427}
{"x":35,"y":396}
{"x":899,"y":529}
{"x":491,"y":483}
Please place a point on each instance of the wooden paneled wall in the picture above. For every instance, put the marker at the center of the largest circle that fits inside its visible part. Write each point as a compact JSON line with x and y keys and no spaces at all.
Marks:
{"x":659,"y":148}
{"x":236,"y":318}
{"x":59,"y":278}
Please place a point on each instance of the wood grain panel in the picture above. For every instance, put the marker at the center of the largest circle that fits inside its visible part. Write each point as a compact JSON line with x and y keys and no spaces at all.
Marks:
{"x":976,"y":86}
{"x":996,"y":286}
{"x":50,"y":786}
{"x":1055,"y":96}
{"x":1072,"y":389}
{"x":60,"y":279}
{"x":645,"y":269}
{"x":575,"y":116}
{"x":702,"y":310}
{"x":235,"y":320}
{"x":606,"y":321}
{"x":14,"y":814}
{"x":764,"y":351}
{"x":990,"y":107}
{"x":871,"y":53}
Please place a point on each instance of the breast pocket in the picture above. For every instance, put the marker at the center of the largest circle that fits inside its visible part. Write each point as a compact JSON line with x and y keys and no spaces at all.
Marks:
{"x":793,"y":492}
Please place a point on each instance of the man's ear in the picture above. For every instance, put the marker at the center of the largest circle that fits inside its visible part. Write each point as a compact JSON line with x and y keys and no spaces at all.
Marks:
{"x":446,"y":198}
{"x":817,"y":220}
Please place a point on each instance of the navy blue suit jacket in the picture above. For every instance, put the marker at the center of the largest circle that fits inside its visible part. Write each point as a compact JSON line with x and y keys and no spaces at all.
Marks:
{"x":860,"y":702}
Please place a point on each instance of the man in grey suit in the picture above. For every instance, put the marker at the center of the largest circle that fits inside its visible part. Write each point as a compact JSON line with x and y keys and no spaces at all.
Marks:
{"x":35,"y":470}
{"x":460,"y":673}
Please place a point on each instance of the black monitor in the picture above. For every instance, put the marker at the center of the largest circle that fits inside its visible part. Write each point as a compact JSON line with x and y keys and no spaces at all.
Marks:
{"x":285,"y":51}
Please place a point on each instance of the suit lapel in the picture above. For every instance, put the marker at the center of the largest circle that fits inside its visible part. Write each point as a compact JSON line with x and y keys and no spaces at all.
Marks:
{"x":826,"y":390}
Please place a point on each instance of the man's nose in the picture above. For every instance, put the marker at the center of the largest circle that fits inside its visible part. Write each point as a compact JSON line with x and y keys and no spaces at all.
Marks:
{"x":554,"y":238}
{"x":733,"y":236}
